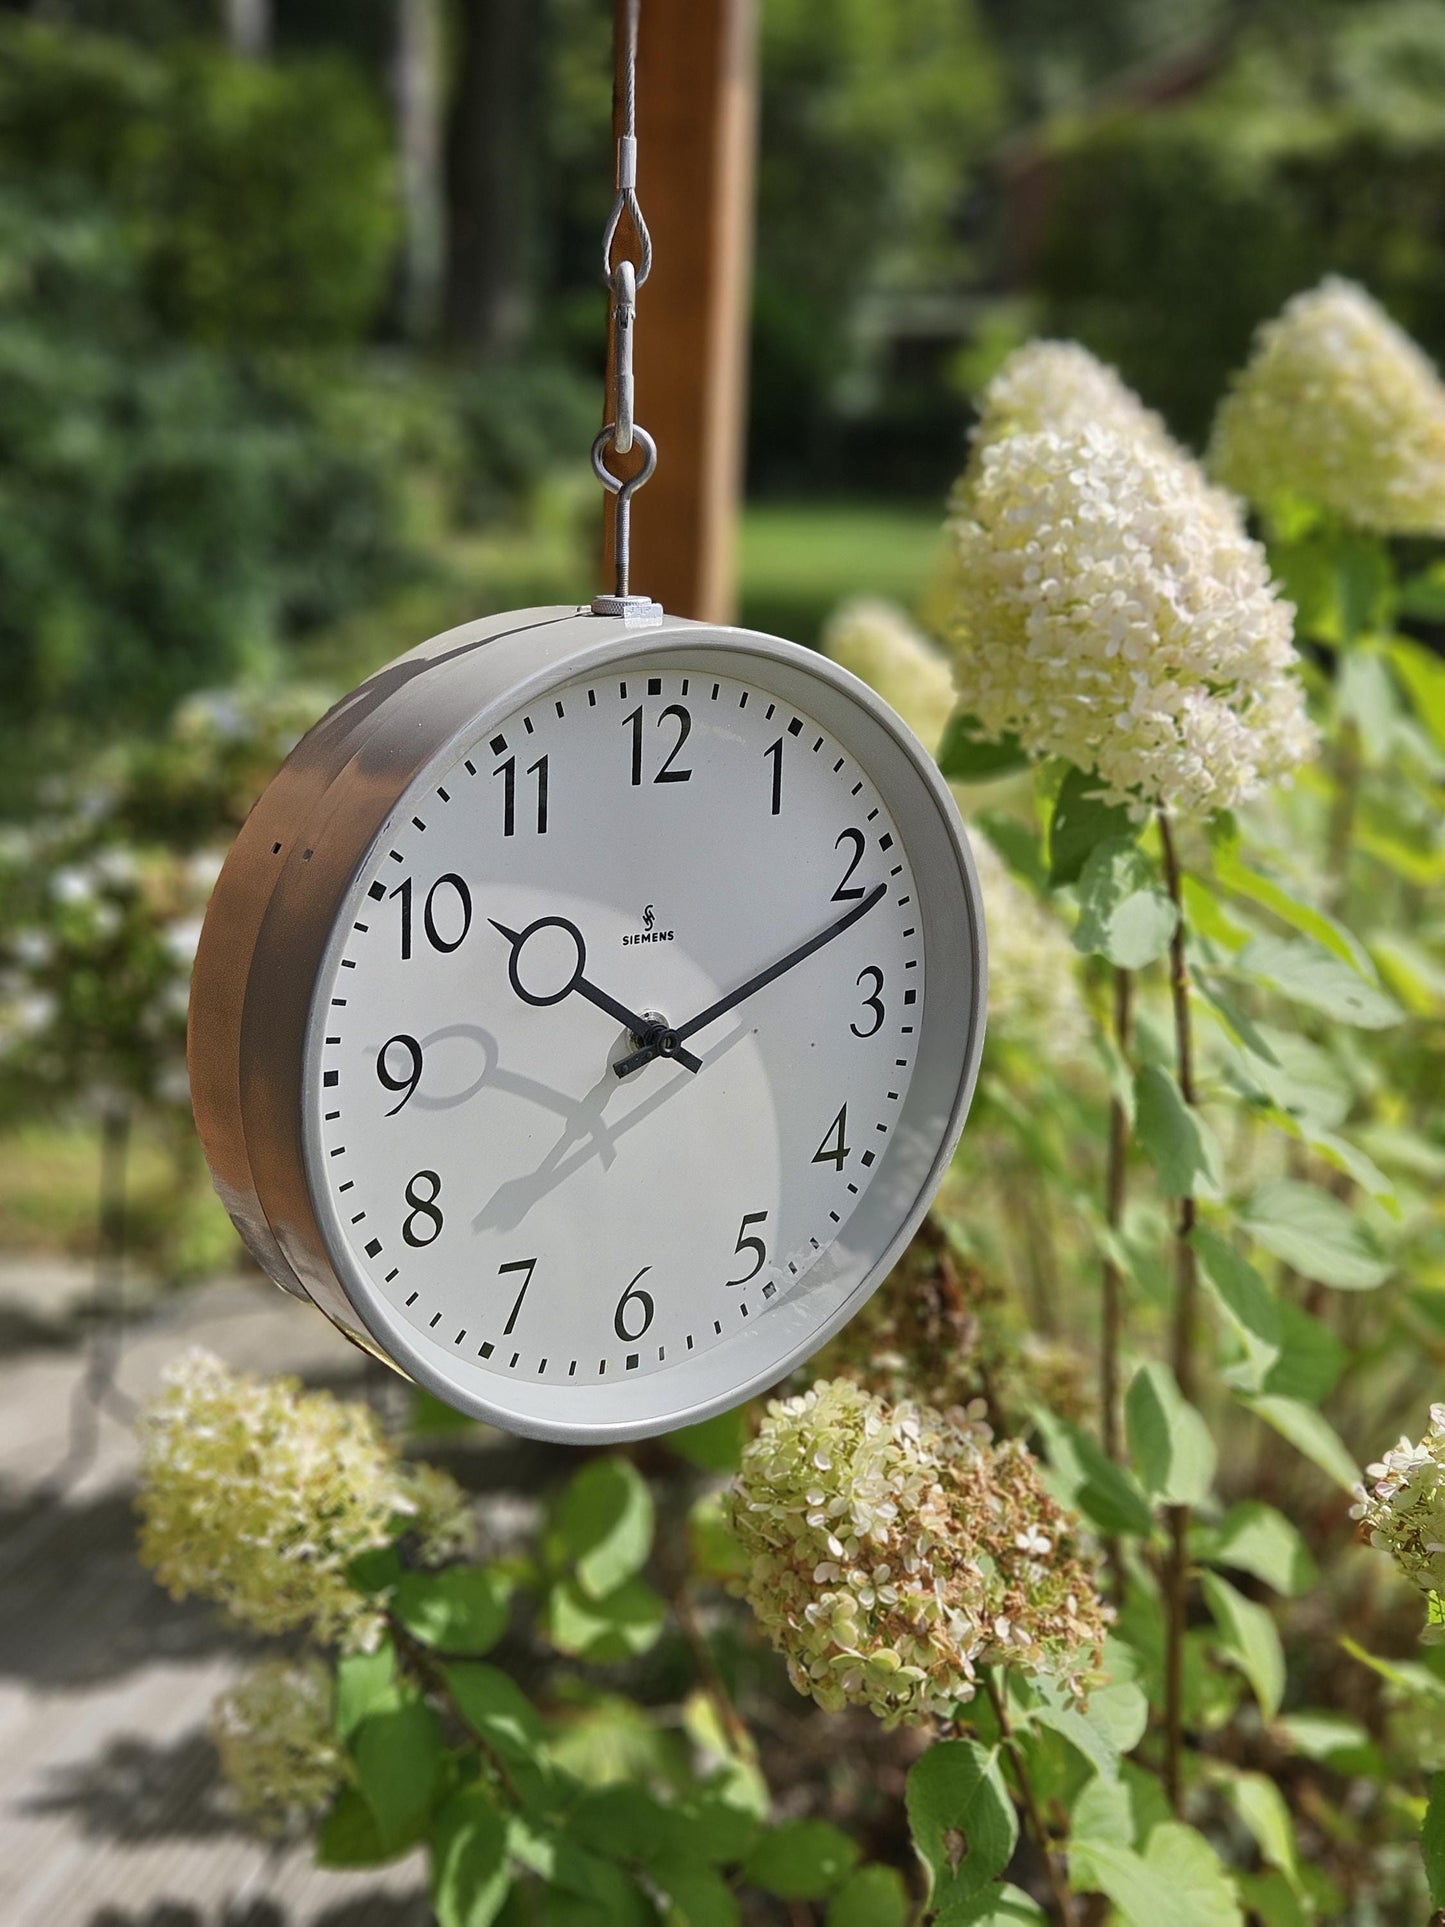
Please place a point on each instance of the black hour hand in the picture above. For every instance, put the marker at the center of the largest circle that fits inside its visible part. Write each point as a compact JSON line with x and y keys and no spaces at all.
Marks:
{"x":654,"y":1037}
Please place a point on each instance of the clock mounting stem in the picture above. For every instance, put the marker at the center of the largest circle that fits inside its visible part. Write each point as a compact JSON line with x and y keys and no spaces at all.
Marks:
{"x":624,"y":275}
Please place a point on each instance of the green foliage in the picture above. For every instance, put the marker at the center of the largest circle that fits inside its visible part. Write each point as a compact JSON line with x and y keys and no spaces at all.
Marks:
{"x":962,"y":1820}
{"x":1125,"y":914}
{"x":258,"y":197}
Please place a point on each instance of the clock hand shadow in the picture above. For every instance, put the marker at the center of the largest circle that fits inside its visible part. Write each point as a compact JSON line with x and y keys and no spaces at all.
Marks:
{"x":512,"y":1200}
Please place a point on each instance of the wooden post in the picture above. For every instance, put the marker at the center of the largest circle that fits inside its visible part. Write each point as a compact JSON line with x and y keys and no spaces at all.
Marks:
{"x":696,"y":134}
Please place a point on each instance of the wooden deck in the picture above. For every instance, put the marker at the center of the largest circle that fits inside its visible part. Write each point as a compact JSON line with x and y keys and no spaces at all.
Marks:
{"x":112,"y":1813}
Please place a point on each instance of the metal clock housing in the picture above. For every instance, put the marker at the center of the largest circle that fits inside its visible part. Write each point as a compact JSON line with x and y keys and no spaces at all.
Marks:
{"x":372,"y":906}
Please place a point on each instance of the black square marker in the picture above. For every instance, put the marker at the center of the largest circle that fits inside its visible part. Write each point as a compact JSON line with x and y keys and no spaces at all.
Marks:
{"x":377,"y":892}
{"x":485,"y":1351}
{"x":795,"y":727}
{"x":373,"y":1245}
{"x":885,"y":842}
{"x":498,"y":744}
{"x":654,"y":685}
{"x":910,"y":996}
{"x":867,"y":1157}
{"x":330,"y":1078}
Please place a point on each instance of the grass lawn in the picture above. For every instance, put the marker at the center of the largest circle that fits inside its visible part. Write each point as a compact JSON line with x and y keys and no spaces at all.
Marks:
{"x":800,"y":559}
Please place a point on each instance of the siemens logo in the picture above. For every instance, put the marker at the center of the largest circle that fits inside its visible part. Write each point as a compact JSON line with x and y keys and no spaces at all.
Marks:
{"x":648,"y":936}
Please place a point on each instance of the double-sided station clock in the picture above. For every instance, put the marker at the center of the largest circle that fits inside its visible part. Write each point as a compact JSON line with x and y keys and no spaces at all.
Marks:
{"x":587,"y":1013}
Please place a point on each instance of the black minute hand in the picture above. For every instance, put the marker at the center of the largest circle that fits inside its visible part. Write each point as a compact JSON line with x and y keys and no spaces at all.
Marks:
{"x":626,"y":1065}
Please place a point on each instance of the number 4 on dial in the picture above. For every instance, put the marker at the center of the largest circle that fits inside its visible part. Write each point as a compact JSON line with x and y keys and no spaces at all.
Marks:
{"x":834,"y":1148}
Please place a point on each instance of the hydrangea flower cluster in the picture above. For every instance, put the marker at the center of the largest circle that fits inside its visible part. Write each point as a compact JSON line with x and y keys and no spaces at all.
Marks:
{"x":876,"y":640}
{"x":893,"y":1551}
{"x":277,"y":1744}
{"x":923,"y":1334}
{"x":1402,"y":1506}
{"x":1338,"y":406}
{"x":1108,"y":609}
{"x":1059,"y":385}
{"x":258,"y":1495}
{"x":101,"y":900}
{"x":1033,"y":980}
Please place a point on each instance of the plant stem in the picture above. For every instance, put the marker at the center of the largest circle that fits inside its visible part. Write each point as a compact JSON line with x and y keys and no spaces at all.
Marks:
{"x":1341,"y":830}
{"x":1114,"y":1187}
{"x":1186,"y":1297}
{"x":713,"y":1683}
{"x":1058,"y":1881}
{"x":429,"y":1669}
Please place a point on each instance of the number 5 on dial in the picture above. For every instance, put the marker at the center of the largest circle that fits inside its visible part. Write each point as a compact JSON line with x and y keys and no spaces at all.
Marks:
{"x":745,"y":1243}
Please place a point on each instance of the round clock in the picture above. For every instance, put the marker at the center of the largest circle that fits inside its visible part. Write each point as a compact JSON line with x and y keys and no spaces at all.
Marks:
{"x":587,"y":1013}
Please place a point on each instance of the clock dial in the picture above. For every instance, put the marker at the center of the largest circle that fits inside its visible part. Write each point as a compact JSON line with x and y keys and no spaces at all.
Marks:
{"x":618,"y":1030}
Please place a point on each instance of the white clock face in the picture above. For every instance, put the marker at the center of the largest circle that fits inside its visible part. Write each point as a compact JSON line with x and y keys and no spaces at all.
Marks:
{"x":616,"y":1041}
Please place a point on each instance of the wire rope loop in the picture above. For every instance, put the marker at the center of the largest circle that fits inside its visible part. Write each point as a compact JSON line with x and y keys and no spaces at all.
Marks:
{"x":624,"y":490}
{"x":626,"y":203}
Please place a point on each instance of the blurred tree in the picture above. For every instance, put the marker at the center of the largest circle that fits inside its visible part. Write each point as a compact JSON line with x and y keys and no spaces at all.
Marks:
{"x":260,"y":197}
{"x":491,"y":203}
{"x":1167,"y":234}
{"x":417,"y":89}
{"x":872,"y":119}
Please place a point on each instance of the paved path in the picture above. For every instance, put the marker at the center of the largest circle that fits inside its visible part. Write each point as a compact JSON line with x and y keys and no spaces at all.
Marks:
{"x":111,"y":1810}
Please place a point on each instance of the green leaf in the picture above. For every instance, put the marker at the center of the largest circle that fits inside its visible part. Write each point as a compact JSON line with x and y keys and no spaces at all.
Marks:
{"x":1322,"y":1238}
{"x":349,"y":1837}
{"x":1003,"y":1906}
{"x":1174,"y":1136}
{"x":1264,"y":1810}
{"x":1250,"y":1637}
{"x":1332,"y":1739}
{"x":700,"y":1897}
{"x":962,"y":1819}
{"x":1432,"y":1840}
{"x":461,"y":1610}
{"x":1019,"y":844}
{"x":1090,"y":1742}
{"x":1254,"y":1538}
{"x":1306,"y":973}
{"x":375,"y":1571}
{"x":398,"y":1758}
{"x":1248,"y":1303}
{"x":493,"y":1705}
{"x":1422,"y":673}
{"x":622,"y":1625}
{"x":605,"y":1524}
{"x":1123,"y":1812}
{"x":1312,"y":1360}
{"x":1080,"y":821}
{"x":1168,"y":1440}
{"x":967,"y":755}
{"x":1271,"y":1901}
{"x":871,"y":1897}
{"x":1176,"y":1882}
{"x":801,"y":1860}
{"x":715,"y":1444}
{"x":1091,"y":1481}
{"x":1125,"y":913}
{"x":1310,"y":1433}
{"x":1231,"y":870}
{"x":365,"y":1683}
{"x":469,"y":1876}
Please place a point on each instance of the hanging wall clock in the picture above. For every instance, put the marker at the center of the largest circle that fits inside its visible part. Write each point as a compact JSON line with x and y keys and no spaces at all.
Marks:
{"x":587,"y":1013}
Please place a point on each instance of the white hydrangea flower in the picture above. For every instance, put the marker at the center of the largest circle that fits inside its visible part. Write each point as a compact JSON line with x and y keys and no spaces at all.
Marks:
{"x":1059,"y":385}
{"x":884,"y":1555}
{"x":1402,"y":1506}
{"x":277,"y":1744}
{"x":876,"y":640}
{"x":1339,"y":406}
{"x":1033,"y":969}
{"x":258,"y":1495}
{"x":1106,"y":609}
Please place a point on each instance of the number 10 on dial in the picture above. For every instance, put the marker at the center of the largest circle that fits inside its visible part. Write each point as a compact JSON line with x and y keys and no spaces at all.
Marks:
{"x":603,"y":1033}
